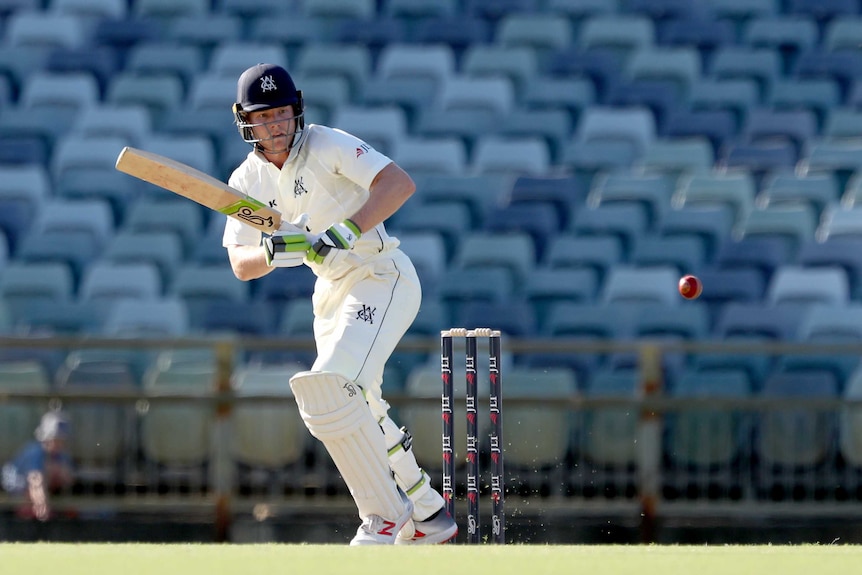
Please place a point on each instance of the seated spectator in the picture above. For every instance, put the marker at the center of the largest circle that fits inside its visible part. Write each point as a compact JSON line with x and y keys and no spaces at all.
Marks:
{"x":42,"y":467}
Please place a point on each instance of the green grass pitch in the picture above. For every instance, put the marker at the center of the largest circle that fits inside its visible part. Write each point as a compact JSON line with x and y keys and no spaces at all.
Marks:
{"x":272,"y":559}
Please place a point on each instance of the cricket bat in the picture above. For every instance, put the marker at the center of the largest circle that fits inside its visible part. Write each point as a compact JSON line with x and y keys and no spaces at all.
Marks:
{"x":197,"y":186}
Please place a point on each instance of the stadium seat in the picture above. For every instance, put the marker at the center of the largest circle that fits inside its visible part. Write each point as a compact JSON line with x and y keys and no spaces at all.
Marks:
{"x":709,"y":437}
{"x":352,"y":62}
{"x":763,"y":65}
{"x":796,"y":438}
{"x":518,"y":64}
{"x":158,"y":93}
{"x":762,"y":253}
{"x":73,"y":248}
{"x":18,"y":419}
{"x":838,"y":222}
{"x":546,"y":287}
{"x":788,"y":35}
{"x":539,"y":220}
{"x":736,"y":95}
{"x":601,"y":66}
{"x":270,"y":434}
{"x":721,"y":286}
{"x":738,"y":319}
{"x":543,"y":31}
{"x":635,"y":126}
{"x":36,"y":282}
{"x":626,"y":221}
{"x":166,"y":58}
{"x":736,"y":190}
{"x":676,"y":157}
{"x":796,"y":224}
{"x":565,"y":194}
{"x":446,"y":155}
{"x":177,"y":216}
{"x":835,"y":252}
{"x":655,"y":284}
{"x":421,"y":9}
{"x":514,"y":252}
{"x":622,"y":33}
{"x":542,"y":433}
{"x":682,"y":253}
{"x":653,"y":192}
{"x":103,"y":435}
{"x":176,"y":435}
{"x":719,"y":126}
{"x":816,"y":190}
{"x":600,"y":253}
{"x":795,"y":284}
{"x":840,"y":66}
{"x":517,"y":155}
{"x":196,"y":282}
{"x":25,"y":29}
{"x":609,"y":436}
{"x":109,"y":282}
{"x":381,"y":127}
{"x":205,"y":31}
{"x":162,"y":317}
{"x":850,"y":422}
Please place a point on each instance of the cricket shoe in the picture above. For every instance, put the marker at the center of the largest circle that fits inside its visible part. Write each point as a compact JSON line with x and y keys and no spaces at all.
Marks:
{"x":376,"y":530}
{"x":439,"y":528}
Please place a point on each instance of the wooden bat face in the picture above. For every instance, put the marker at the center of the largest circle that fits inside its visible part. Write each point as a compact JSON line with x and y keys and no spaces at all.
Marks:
{"x":197,"y":186}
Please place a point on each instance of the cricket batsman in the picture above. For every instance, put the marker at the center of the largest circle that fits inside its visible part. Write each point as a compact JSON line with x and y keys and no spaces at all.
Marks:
{"x":337,"y":190}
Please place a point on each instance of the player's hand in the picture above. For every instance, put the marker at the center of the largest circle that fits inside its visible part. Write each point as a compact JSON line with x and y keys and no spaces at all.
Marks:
{"x":286,"y":249}
{"x":334,"y":244}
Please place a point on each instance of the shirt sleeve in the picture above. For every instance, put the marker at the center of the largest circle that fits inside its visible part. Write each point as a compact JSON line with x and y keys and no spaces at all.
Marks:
{"x":355,"y":159}
{"x":235,"y":232}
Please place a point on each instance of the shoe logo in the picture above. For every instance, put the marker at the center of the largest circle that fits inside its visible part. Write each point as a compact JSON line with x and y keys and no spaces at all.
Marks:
{"x":267,"y":84}
{"x":388,"y":526}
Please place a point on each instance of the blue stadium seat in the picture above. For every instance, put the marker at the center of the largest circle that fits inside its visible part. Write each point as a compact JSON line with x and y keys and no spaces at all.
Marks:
{"x":545,"y":287}
{"x":515,"y":318}
{"x":602,"y":67}
{"x":207,"y":30}
{"x":824,"y":10}
{"x":515,"y":155}
{"x":794,"y":438}
{"x":838,"y":222}
{"x":721,"y":286}
{"x":737,"y":95}
{"x":543,"y":31}
{"x":796,"y":224}
{"x":76,"y":249}
{"x":514,"y":252}
{"x":623,"y":33}
{"x":786,"y":34}
{"x":764,"y":254}
{"x":626,"y":221}
{"x":652,"y":191}
{"x":795,"y":284}
{"x":352,"y":62}
{"x":459,"y":31}
{"x":841,"y":66}
{"x":609,"y":434}
{"x":719,"y":126}
{"x":565,"y":194}
{"x":167,"y":58}
{"x":840,"y":252}
{"x":705,"y":34}
{"x":797,"y":126}
{"x":376,"y":32}
{"x":763,"y":65}
{"x":682,"y":253}
{"x":733,"y":189}
{"x":538,"y":220}
{"x":674,"y":157}
{"x":706,"y":445}
{"x":850,"y":423}
{"x":109,"y":282}
{"x":599,"y":253}
{"x":759,"y":320}
{"x":520,"y":64}
{"x":640,"y":284}
{"x":710,"y":225}
{"x":815,"y":190}
{"x":820,"y":96}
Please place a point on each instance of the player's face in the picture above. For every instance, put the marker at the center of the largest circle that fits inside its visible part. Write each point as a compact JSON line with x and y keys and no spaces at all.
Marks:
{"x":274,"y":128}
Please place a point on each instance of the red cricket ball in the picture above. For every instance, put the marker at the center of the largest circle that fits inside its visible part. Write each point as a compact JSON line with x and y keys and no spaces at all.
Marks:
{"x":690,"y":287}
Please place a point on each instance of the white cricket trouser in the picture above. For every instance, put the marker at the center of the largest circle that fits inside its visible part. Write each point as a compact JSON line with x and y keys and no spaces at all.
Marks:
{"x":359,"y":321}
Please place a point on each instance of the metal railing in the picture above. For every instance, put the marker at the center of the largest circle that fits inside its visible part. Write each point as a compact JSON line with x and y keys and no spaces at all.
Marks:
{"x":651,"y":467}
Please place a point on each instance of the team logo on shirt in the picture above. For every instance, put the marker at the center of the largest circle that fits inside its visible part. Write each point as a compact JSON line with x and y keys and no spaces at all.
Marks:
{"x":366,"y":314}
{"x":362,"y":149}
{"x":298,"y":188}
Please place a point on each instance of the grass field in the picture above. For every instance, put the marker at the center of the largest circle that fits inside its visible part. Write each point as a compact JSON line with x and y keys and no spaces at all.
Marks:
{"x":271,"y":559}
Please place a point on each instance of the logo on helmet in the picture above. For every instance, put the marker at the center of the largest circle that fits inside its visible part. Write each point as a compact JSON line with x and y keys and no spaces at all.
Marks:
{"x":267,"y":84}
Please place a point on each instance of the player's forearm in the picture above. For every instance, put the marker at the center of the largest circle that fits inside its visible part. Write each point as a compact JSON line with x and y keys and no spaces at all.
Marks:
{"x":248,"y":262}
{"x":389,"y":190}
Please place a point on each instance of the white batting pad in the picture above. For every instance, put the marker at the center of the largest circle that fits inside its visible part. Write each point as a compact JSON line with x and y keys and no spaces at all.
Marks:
{"x":336,"y":413}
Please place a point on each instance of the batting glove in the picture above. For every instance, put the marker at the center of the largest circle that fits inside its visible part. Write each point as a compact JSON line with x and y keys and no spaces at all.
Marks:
{"x":286,"y":249}
{"x":335,"y":243}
